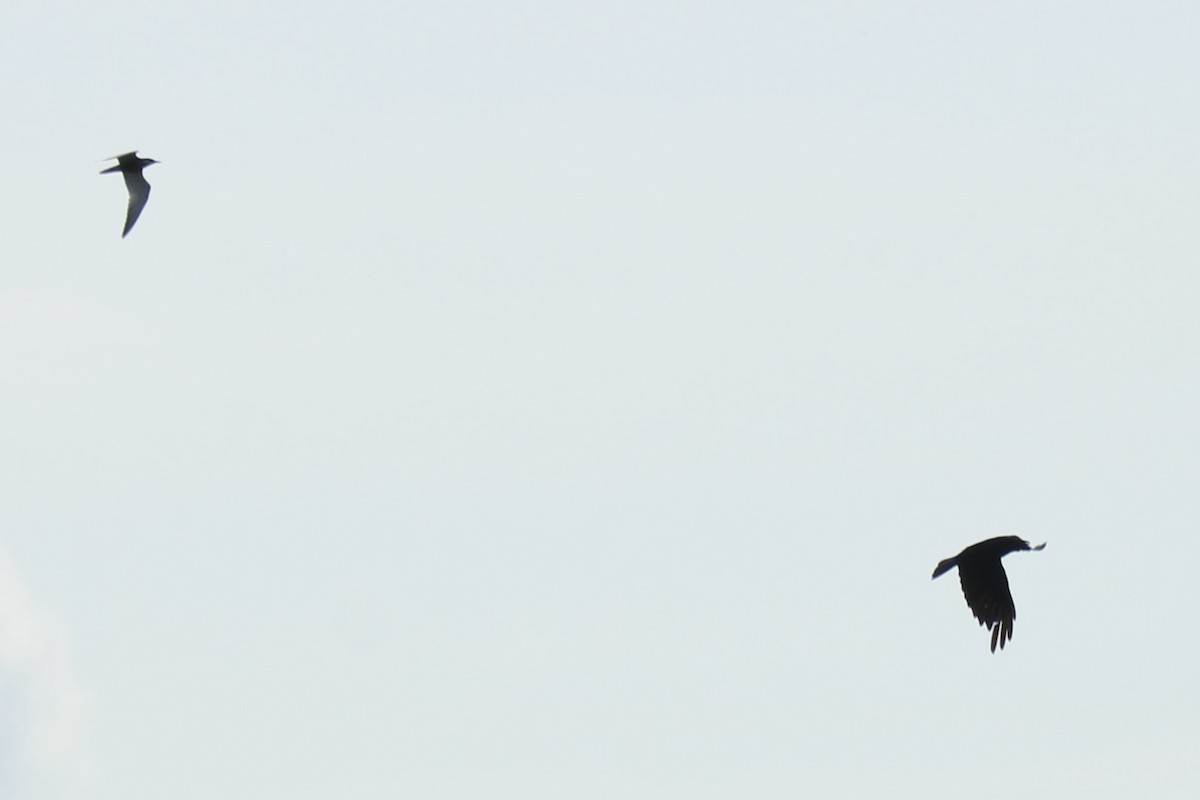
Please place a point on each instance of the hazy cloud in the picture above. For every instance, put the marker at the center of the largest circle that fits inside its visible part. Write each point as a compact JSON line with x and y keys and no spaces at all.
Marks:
{"x":56,"y":339}
{"x":45,"y":728}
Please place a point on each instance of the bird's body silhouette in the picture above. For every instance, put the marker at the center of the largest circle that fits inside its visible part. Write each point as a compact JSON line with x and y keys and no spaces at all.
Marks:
{"x":130,"y":165}
{"x":985,"y":584}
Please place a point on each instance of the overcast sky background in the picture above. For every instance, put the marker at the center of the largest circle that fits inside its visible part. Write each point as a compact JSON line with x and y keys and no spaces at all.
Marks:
{"x":548,"y":400}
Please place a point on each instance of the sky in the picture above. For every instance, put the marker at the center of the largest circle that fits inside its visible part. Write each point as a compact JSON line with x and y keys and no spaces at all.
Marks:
{"x":542,"y":400}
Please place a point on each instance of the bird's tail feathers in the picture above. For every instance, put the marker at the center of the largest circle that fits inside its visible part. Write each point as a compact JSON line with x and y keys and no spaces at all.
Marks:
{"x":945,"y":566}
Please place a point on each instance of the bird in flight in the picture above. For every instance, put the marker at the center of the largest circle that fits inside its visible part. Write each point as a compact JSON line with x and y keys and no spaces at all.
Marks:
{"x":131,"y":165}
{"x":985,"y":585}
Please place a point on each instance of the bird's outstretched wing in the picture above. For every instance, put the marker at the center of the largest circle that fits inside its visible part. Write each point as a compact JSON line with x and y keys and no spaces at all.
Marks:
{"x":139,"y":193}
{"x":985,"y":585}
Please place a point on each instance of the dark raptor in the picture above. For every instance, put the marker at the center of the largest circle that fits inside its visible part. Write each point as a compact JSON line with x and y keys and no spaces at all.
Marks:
{"x":985,"y":584}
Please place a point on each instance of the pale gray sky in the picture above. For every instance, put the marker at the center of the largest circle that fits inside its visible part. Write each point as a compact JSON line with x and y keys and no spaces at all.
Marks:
{"x":539,"y":400}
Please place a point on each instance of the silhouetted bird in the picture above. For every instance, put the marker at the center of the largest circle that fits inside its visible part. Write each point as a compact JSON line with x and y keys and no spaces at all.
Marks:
{"x":131,"y":165}
{"x":985,"y":585}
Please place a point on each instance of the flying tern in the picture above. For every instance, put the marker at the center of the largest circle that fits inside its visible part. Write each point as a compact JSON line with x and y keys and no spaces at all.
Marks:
{"x":130,"y":165}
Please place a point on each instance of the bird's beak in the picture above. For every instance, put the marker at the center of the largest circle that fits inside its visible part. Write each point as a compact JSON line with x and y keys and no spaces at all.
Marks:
{"x":1041,"y":546}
